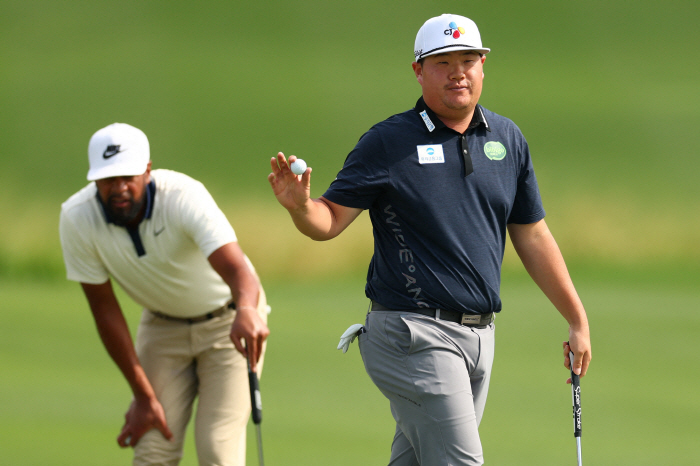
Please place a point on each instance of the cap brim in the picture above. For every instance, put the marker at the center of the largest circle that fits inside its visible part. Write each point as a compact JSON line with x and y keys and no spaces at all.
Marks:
{"x":114,"y":170}
{"x":451,"y":48}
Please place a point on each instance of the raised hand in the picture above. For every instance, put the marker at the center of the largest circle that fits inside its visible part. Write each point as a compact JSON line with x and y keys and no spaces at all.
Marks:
{"x":292,"y":191}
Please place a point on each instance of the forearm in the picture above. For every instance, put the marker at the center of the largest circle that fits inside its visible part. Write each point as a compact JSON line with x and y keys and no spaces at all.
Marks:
{"x":316,"y":220}
{"x":245,"y":288}
{"x":544,"y":262}
{"x":319,"y":219}
{"x":116,"y":338}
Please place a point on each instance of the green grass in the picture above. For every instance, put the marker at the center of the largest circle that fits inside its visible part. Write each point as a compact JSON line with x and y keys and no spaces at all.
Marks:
{"x":605,"y":93}
{"x":62,"y":400}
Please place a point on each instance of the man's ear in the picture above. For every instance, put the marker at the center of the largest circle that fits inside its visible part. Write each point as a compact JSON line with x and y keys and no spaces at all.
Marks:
{"x":418,"y":71}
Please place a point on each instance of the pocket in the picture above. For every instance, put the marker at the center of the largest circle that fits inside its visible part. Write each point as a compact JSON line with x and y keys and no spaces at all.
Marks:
{"x":398,"y":333}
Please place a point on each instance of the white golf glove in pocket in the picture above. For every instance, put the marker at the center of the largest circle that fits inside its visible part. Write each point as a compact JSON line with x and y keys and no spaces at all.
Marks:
{"x":349,"y":336}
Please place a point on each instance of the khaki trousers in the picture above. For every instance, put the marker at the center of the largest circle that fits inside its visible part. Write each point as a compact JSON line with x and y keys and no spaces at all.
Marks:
{"x":187,"y":361}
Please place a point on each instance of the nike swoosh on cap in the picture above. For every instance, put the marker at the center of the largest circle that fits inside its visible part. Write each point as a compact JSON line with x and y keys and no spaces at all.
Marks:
{"x":111,"y":151}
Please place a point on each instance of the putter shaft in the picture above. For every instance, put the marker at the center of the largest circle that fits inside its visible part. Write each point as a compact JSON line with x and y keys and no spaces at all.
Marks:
{"x":260,"y":448}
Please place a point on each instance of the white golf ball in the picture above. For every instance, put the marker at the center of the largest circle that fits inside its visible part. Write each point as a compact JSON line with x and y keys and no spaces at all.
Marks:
{"x":298,"y":167}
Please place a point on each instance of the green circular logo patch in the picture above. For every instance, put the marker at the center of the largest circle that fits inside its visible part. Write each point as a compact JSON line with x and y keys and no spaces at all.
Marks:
{"x":494,"y":150}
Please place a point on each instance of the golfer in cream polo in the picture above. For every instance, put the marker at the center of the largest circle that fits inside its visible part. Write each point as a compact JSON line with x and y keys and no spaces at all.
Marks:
{"x":161,"y":236}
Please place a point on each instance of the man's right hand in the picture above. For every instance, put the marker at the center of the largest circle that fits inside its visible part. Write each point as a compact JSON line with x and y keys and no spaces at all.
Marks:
{"x":142,"y":416}
{"x":292,"y":191}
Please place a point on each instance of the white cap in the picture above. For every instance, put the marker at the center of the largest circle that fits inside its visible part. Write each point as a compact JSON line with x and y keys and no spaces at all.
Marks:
{"x":118,"y":150}
{"x":446,"y":33}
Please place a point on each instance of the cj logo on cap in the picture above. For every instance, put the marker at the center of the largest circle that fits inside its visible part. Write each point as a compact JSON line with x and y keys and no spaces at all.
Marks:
{"x":454,"y":30}
{"x":111,"y":151}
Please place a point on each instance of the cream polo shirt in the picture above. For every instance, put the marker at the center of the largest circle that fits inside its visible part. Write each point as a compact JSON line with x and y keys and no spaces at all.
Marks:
{"x":172,"y":275}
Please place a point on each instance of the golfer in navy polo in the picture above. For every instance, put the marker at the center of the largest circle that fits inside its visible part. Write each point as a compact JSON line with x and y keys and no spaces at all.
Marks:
{"x":443,"y":183}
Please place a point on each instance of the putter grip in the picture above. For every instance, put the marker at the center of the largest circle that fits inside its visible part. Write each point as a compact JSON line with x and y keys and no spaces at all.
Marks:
{"x":255,"y":399}
{"x":575,"y":397}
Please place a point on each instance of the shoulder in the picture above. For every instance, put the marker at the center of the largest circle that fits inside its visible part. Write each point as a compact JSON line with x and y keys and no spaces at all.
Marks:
{"x":175,"y":185}
{"x":388,"y":133}
{"x":168,"y":180}
{"x":500,"y":123}
{"x":80,"y":202}
{"x":398,"y":123}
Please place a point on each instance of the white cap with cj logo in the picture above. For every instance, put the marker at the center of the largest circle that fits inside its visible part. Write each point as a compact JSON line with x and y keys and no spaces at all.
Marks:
{"x":118,"y":150}
{"x":446,"y":33}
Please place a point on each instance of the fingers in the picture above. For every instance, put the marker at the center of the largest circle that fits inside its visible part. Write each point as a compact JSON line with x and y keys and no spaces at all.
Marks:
{"x":248,"y":333}
{"x":580,"y":362}
{"x":240,"y":347}
{"x":142,"y":416}
{"x":252,"y":347}
{"x":278,"y":163}
{"x":306,"y":177}
{"x":164,"y":429}
{"x":124,"y":439}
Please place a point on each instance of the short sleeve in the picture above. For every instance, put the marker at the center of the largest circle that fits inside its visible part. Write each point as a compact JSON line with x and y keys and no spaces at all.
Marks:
{"x":79,"y":255}
{"x":527,"y":206}
{"x":203,"y":220}
{"x":363,"y":176}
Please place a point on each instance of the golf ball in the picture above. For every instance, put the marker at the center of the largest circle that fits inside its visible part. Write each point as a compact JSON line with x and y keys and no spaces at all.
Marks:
{"x":298,"y":167}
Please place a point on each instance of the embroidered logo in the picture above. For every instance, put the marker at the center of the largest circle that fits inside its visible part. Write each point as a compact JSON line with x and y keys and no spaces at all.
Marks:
{"x":430,"y":154}
{"x":494,"y":150}
{"x":111,"y":151}
{"x":428,"y":122}
{"x":454,"y":30}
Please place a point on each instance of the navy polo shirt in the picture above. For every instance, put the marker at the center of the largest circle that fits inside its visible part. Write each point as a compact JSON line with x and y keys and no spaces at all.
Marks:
{"x":439,"y":202}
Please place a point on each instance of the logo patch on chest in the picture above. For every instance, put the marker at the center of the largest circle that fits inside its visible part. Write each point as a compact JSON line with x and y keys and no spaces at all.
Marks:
{"x":428,"y":122}
{"x":430,"y":154}
{"x":494,"y":150}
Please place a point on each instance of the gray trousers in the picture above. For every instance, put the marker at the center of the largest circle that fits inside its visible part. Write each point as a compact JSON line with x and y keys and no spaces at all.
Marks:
{"x":436,"y":375}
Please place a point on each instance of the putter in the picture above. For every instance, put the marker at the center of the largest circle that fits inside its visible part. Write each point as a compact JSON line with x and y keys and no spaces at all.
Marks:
{"x":256,"y":405}
{"x":576,"y":400}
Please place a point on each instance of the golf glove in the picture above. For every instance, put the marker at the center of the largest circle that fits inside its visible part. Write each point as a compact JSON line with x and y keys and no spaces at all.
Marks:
{"x":349,"y":336}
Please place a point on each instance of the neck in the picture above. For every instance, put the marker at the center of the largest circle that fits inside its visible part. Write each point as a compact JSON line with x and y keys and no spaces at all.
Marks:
{"x":457,"y":119}
{"x":459,"y":123}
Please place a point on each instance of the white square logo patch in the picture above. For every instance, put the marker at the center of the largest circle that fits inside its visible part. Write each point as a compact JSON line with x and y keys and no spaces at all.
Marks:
{"x":430,"y":154}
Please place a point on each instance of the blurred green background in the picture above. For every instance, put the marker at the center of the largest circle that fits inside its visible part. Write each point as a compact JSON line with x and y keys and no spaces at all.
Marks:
{"x":606,"y":93}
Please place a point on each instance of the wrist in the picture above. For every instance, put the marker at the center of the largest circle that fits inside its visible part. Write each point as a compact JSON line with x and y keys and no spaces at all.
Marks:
{"x":245,"y":308}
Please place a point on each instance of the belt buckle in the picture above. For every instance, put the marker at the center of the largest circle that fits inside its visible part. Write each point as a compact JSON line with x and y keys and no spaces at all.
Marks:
{"x":468,"y":319}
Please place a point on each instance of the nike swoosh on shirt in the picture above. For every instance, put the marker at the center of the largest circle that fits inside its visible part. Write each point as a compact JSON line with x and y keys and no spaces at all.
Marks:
{"x":158,"y":232}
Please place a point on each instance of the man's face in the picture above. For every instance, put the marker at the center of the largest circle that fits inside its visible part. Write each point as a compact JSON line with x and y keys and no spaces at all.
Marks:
{"x":451,"y":81}
{"x":124,"y":196}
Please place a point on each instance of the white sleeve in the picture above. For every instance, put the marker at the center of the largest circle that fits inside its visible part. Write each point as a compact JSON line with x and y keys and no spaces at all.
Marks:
{"x":203,"y":220}
{"x":79,"y":254}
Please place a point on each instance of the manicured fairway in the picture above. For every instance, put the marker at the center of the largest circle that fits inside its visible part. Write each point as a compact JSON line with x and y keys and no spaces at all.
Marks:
{"x":63,"y":400}
{"x":604,"y":91}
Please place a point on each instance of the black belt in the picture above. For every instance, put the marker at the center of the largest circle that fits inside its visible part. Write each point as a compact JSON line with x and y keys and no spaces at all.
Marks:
{"x":193,"y":320}
{"x":469,"y":320}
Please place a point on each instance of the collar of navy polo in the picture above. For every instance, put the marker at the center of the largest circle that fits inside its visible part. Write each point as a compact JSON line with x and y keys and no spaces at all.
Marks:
{"x":432,"y":122}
